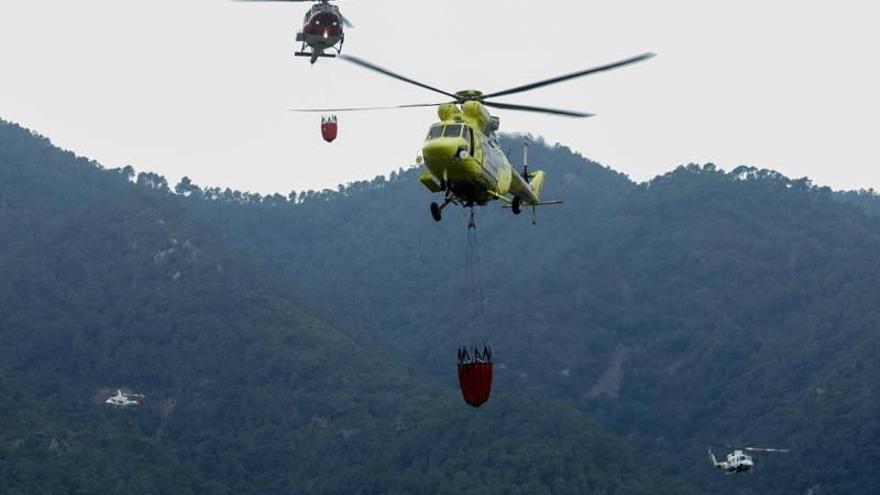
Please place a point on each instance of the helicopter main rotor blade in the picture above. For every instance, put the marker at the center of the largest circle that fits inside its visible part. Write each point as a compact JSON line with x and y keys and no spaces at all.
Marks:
{"x":526,"y":108}
{"x":759,"y":449}
{"x":724,"y":446}
{"x":368,"y":65}
{"x":363,"y":109}
{"x":345,"y":21}
{"x":547,"y":82}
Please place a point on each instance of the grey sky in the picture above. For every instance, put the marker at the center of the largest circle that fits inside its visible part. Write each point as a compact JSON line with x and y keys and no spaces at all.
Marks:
{"x":200,"y":87}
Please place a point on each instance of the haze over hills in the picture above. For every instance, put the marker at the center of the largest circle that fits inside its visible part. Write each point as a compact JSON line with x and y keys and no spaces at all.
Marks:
{"x":314,"y":341}
{"x":109,"y":283}
{"x":703,"y":306}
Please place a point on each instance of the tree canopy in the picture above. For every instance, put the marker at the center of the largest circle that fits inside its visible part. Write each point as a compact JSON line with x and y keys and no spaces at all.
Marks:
{"x":113,"y":278}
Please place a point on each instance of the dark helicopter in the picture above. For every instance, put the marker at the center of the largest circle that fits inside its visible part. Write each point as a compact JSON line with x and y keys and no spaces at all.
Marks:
{"x":322,"y":31}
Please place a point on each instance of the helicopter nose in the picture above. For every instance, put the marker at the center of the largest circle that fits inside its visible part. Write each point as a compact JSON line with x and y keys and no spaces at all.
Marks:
{"x":441,"y":148}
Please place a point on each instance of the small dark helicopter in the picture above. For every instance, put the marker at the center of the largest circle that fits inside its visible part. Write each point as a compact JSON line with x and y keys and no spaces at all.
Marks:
{"x":322,"y":29}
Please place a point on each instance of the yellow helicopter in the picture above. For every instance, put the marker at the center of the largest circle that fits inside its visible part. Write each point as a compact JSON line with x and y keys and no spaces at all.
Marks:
{"x":464,"y":159}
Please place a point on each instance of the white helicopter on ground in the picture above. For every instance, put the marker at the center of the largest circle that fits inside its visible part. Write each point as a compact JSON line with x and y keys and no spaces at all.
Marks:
{"x":123,"y":400}
{"x":738,"y":461}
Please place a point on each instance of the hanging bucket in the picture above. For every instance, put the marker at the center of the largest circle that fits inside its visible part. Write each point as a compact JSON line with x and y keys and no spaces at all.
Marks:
{"x":475,"y":375}
{"x":329,"y":128}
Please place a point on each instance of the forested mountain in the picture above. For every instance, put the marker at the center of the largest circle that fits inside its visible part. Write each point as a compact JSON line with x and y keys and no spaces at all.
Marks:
{"x":868,"y":199}
{"x":308,"y":345}
{"x":110,"y":280}
{"x":701,"y":307}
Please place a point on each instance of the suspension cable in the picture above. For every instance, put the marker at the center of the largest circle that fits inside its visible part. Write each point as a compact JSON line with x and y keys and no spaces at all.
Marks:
{"x":474,"y":278}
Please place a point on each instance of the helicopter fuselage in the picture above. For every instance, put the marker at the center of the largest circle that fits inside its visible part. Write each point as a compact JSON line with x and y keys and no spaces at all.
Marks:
{"x":736,"y":462}
{"x":322,"y":28}
{"x":122,"y":400}
{"x":462,"y":152}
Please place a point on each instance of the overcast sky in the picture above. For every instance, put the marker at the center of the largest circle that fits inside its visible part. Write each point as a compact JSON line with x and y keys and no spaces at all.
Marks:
{"x":201,"y":87}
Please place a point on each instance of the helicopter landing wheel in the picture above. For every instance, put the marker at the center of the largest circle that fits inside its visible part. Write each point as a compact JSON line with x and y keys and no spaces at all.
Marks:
{"x":516,"y":206}
{"x":436,"y":212}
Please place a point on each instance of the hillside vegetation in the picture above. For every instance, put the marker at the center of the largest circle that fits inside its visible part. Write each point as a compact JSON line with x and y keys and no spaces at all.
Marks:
{"x":110,"y":280}
{"x":704,"y":306}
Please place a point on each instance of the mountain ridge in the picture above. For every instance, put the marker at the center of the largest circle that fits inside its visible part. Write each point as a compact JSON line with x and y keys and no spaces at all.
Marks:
{"x":112,"y":280}
{"x":747,"y":299}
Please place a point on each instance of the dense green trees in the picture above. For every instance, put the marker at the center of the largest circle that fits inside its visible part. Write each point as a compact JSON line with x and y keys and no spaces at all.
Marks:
{"x":702,"y":306}
{"x":742,"y":304}
{"x":111,"y":278}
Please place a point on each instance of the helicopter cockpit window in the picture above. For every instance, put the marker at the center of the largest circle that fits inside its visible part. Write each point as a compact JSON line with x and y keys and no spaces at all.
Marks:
{"x":468,"y":137}
{"x":452,"y":131}
{"x":435,"y":132}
